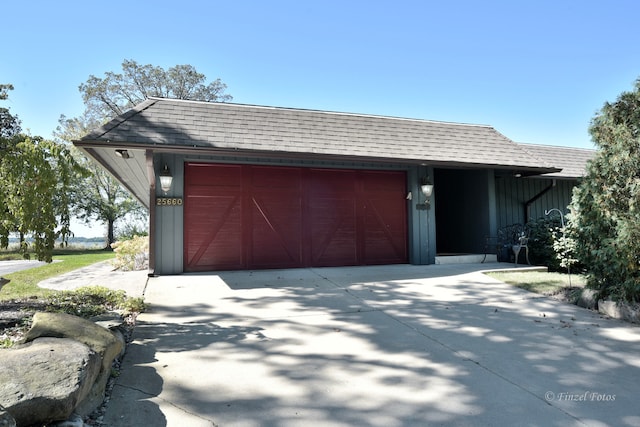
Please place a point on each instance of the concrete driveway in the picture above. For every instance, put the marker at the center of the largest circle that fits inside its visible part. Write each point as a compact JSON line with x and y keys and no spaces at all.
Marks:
{"x":7,"y":267}
{"x":372,"y":346}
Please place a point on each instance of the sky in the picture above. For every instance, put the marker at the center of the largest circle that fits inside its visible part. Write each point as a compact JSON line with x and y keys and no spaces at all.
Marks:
{"x":537,"y":72}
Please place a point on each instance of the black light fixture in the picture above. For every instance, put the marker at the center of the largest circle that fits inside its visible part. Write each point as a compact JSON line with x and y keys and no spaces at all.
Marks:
{"x":426,"y":187}
{"x":165,"y":179}
{"x":123,"y":154}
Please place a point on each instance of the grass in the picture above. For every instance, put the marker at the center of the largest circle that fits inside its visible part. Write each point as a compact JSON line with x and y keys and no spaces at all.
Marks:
{"x":23,"y":293}
{"x":540,"y":282}
{"x":24,"y":284}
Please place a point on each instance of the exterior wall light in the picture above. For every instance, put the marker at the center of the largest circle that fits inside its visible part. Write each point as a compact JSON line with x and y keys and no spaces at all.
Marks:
{"x":427,"y":189}
{"x":123,"y":154}
{"x":165,"y":179}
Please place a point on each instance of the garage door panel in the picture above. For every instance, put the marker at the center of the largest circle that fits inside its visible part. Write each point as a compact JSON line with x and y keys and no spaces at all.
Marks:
{"x":276,"y":225}
{"x":377,"y":182}
{"x":332,"y":182}
{"x":275,"y":179}
{"x":333,"y":232}
{"x":249,"y":216}
{"x":219,"y":255}
{"x":217,"y":240}
{"x":385,"y":220}
{"x":219,"y":176}
{"x":385,"y":235}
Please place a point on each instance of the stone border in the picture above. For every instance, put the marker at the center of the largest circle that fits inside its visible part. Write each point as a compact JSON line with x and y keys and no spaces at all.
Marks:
{"x":28,"y":402}
{"x":620,"y":310}
{"x":588,"y":298}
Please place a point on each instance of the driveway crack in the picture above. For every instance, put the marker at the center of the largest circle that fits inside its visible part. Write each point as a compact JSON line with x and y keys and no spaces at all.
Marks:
{"x":180,"y":408}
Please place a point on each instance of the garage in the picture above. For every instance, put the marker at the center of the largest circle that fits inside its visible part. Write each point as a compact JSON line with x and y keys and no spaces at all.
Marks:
{"x":259,"y":217}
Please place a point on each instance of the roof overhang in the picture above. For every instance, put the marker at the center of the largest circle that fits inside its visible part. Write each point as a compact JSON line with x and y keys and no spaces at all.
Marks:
{"x":231,"y":131}
{"x":136,"y":172}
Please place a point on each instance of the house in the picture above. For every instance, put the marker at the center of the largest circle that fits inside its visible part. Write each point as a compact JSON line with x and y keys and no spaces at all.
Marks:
{"x":253,"y":187}
{"x":522,"y":200}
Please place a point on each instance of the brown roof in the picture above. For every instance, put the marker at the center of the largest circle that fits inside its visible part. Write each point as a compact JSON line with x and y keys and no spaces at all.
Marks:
{"x":572,"y":161}
{"x":225,"y":127}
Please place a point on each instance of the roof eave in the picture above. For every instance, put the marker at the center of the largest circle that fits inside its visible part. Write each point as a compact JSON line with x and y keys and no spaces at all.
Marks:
{"x":525,"y":170}
{"x":109,"y":168}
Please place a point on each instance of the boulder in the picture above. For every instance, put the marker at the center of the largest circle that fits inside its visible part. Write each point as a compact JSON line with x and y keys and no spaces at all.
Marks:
{"x":75,"y":421}
{"x":6,"y":420}
{"x":588,"y":298}
{"x":3,"y":282}
{"x":110,"y":320}
{"x":620,"y":310}
{"x":105,"y":343}
{"x":44,"y":380}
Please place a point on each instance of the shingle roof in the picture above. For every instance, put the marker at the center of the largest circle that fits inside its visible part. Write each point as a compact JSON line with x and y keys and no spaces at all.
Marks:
{"x":160,"y":122}
{"x":572,"y":161}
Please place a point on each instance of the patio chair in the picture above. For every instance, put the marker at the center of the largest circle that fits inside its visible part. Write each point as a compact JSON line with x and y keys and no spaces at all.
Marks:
{"x":510,"y":239}
{"x":523,"y":242}
{"x":492,"y":245}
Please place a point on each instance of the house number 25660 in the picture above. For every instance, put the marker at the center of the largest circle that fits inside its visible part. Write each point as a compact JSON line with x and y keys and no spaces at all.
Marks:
{"x":169,"y":201}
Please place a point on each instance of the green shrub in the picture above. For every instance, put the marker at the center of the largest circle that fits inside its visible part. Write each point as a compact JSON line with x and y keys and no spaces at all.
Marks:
{"x":565,"y":248}
{"x":605,"y":210}
{"x":92,"y":301}
{"x":131,"y":254}
{"x":131,"y":229}
{"x":134,"y":305}
{"x":541,"y":238}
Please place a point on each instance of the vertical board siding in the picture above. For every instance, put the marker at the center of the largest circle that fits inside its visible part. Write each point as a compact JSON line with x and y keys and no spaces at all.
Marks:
{"x":513,"y":193}
{"x":169,"y":220}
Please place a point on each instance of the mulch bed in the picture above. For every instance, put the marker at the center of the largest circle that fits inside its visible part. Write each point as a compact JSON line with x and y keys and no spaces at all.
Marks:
{"x":16,"y":317}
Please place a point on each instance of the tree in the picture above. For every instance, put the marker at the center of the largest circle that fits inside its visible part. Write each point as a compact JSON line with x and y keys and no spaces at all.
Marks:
{"x":116,"y":93}
{"x":35,"y":178}
{"x":605,"y":210}
{"x":9,"y":124}
{"x":101,"y":197}
{"x":97,"y":196}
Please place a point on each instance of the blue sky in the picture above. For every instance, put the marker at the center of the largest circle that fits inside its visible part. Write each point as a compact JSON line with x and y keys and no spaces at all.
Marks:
{"x":536,"y":71}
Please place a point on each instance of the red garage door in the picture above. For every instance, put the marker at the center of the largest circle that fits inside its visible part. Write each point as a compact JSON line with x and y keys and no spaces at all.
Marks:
{"x":254,"y":217}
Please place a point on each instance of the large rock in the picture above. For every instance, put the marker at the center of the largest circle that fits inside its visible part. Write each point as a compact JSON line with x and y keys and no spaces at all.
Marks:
{"x":3,"y":282}
{"x":620,"y":310}
{"x":44,"y":380}
{"x":6,"y":420}
{"x":588,"y":298}
{"x":101,"y":340}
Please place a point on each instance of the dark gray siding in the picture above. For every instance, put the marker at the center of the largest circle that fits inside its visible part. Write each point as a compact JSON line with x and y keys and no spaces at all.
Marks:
{"x":513,"y":193}
{"x":170,"y":219}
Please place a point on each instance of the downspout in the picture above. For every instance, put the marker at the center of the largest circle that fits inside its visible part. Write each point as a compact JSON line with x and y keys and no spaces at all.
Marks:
{"x":528,"y":203}
{"x":151,"y":174}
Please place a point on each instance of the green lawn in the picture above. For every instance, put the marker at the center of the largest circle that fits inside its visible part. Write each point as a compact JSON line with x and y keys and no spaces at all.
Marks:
{"x":538,"y":281}
{"x":24,"y":284}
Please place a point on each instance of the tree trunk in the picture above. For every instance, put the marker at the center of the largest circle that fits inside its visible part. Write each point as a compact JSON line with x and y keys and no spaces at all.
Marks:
{"x":110,"y":236}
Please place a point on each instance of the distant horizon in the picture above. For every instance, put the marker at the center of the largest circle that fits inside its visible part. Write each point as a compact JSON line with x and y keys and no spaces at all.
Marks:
{"x":14,"y":240}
